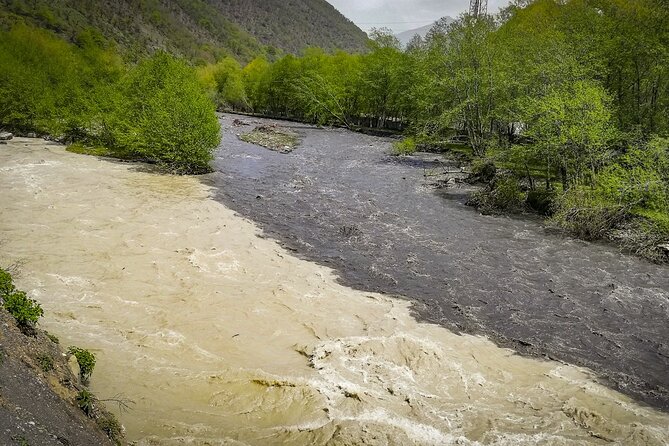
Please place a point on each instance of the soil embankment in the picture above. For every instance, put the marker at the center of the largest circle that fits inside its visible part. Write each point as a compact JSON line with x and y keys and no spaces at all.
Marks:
{"x":37,"y":393}
{"x":223,"y":337}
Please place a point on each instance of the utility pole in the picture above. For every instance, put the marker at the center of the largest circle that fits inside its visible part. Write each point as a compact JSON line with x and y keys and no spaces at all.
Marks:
{"x":478,"y":8}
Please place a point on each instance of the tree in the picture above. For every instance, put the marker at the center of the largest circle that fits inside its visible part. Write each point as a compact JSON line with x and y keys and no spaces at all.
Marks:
{"x":164,"y":115}
{"x":461,"y":80}
{"x":570,"y":126}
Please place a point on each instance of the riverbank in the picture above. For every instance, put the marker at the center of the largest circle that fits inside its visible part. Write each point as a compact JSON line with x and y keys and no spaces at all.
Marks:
{"x":222,"y":336}
{"x":38,"y":393}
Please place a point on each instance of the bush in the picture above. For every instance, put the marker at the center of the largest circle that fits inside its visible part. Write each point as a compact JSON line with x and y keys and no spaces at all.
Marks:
{"x":643,"y":237}
{"x":26,"y":311}
{"x":165,"y":116}
{"x":48,"y":85}
{"x":587,"y":216}
{"x":86,"y":361}
{"x":110,"y":426}
{"x":53,"y":338}
{"x":45,"y":362}
{"x":503,"y":194}
{"x":483,"y":170}
{"x":541,"y":201}
{"x":639,"y":177}
{"x":407,"y":146}
{"x":86,"y":402}
{"x":6,"y":283}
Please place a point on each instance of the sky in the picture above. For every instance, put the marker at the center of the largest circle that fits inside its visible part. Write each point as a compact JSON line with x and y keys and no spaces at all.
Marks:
{"x":402,"y":15}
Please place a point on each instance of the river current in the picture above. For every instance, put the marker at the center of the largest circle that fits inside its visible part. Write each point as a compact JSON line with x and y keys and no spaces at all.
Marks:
{"x":222,"y":336}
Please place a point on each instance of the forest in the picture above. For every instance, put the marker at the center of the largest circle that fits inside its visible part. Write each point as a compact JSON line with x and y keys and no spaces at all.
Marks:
{"x":561,"y":106}
{"x":567,"y":101}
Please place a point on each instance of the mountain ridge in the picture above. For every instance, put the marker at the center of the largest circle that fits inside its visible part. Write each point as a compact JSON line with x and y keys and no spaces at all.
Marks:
{"x":197,"y":29}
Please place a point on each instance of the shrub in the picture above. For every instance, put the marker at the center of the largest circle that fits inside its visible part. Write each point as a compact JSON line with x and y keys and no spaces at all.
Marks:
{"x":503,"y":194}
{"x":86,"y":361}
{"x":587,"y":216}
{"x":110,"y":426}
{"x":483,"y":170}
{"x":639,"y":177}
{"x":165,"y":116}
{"x":45,"y":362}
{"x":26,"y":311}
{"x":53,"y":338}
{"x":643,"y":237}
{"x":6,"y":283}
{"x":86,"y":402}
{"x":541,"y":201}
{"x":407,"y":146}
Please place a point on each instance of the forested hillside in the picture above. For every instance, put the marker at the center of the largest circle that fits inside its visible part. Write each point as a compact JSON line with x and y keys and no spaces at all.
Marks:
{"x":568,"y":99}
{"x":294,"y":24}
{"x":196,"y":29}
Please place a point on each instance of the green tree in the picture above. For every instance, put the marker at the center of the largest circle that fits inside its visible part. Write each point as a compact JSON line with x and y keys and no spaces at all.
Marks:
{"x":571,"y":126}
{"x":165,"y":115}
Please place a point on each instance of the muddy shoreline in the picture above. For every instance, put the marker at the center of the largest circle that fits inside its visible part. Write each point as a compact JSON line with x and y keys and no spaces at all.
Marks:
{"x":340,"y":200}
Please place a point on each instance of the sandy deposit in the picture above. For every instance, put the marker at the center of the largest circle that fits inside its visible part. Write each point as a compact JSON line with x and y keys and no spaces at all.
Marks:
{"x":222,"y":337}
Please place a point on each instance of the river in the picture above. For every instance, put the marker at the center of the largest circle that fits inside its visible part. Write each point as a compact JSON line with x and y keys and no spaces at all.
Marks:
{"x":222,"y":336}
{"x":343,"y":201}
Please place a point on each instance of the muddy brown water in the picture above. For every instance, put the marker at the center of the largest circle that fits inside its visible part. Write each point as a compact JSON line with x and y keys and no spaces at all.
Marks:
{"x":224,"y":337}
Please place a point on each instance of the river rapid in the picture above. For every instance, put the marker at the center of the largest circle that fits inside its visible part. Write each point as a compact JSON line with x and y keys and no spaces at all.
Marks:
{"x":223,"y":337}
{"x":343,"y":201}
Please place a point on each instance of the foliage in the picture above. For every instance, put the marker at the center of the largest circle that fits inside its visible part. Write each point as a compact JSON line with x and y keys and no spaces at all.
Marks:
{"x":165,"y":116}
{"x":586,"y":216}
{"x":45,"y":362}
{"x":6,"y":283}
{"x":156,"y":110}
{"x":26,"y":311}
{"x":47,"y":85}
{"x":110,"y":426}
{"x":86,"y":361}
{"x":639,"y":177}
{"x":201,"y":30}
{"x":503,"y":194}
{"x":224,"y":83}
{"x":406,"y":146}
{"x":86,"y":402}
{"x":570,"y":126}
{"x":53,"y":338}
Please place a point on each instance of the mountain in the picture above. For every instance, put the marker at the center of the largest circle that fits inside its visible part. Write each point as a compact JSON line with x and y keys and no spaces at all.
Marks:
{"x":197,"y":29}
{"x":406,"y":36}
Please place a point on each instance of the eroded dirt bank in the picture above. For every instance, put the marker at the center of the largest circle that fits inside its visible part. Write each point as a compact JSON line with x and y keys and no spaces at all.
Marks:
{"x":222,"y":337}
{"x":341,"y":200}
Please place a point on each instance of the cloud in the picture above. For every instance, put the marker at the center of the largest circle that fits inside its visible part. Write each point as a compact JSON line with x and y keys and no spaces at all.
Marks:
{"x":401,"y":15}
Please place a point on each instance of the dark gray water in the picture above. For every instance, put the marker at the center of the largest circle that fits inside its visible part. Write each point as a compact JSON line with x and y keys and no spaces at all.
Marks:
{"x":341,"y":200}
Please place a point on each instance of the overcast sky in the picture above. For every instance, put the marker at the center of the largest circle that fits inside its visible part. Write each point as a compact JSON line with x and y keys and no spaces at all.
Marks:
{"x":401,"y":15}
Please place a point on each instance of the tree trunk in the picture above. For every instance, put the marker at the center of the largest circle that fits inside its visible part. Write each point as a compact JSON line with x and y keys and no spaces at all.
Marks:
{"x":565,"y":178}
